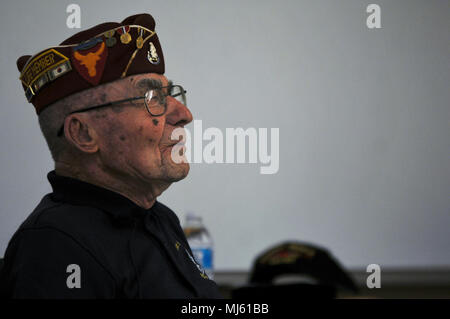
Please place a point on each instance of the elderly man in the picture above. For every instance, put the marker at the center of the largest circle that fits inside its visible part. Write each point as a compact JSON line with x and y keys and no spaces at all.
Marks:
{"x":107,"y":113}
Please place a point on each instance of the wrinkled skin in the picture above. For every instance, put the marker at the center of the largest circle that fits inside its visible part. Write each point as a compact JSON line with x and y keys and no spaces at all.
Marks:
{"x":124,"y":148}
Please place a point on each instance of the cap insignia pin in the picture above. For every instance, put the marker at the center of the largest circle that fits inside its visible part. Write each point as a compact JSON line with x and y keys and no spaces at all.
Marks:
{"x":152,"y":55}
{"x":110,"y":39}
{"x":140,"y":39}
{"x":125,"y":37}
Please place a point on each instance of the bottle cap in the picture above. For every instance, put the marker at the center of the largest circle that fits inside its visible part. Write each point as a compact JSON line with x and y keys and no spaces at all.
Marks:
{"x":191,"y":216}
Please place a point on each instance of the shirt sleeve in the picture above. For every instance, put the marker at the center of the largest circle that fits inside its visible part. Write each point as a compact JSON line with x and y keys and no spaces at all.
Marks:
{"x":48,"y":263}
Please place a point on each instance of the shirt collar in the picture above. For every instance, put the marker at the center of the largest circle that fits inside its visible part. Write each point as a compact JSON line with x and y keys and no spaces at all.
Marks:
{"x":77,"y":192}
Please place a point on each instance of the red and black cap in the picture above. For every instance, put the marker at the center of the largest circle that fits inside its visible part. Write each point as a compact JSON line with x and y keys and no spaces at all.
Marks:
{"x":101,"y":54}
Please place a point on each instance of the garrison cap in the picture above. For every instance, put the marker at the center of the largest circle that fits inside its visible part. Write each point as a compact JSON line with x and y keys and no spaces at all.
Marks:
{"x":101,"y":54}
{"x":301,"y":259}
{"x":319,"y":272}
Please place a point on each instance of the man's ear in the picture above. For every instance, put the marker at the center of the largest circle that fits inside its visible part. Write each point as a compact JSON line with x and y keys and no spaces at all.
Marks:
{"x":80,"y":134}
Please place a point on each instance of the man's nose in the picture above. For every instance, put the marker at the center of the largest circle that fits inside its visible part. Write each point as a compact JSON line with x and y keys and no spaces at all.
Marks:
{"x":177,"y":114}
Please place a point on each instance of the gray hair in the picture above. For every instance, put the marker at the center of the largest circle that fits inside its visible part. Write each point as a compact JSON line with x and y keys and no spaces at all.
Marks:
{"x":50,"y":120}
{"x":52,"y":117}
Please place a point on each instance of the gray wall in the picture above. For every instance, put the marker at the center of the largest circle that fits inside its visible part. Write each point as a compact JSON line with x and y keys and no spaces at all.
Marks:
{"x":363,"y":117}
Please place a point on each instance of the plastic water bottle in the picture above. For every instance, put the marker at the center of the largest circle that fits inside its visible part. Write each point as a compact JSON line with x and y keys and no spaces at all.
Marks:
{"x":200,"y":242}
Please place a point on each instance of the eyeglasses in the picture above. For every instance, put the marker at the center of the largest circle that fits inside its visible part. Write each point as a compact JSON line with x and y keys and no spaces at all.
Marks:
{"x":155,"y":102}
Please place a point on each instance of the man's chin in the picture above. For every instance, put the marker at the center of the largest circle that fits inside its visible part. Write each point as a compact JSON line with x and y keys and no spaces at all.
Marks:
{"x":177,"y":172}
{"x":177,"y":167}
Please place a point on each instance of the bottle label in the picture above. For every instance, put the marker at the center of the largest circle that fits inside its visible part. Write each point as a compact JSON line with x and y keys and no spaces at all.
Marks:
{"x":204,"y":256}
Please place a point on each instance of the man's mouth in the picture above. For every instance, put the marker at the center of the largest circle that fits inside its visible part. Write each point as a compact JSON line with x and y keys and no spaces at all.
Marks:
{"x":167,"y":146}
{"x":179,"y":142}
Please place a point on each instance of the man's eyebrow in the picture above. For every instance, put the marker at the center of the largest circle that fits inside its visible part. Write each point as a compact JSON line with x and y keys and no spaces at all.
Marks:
{"x":148,"y":84}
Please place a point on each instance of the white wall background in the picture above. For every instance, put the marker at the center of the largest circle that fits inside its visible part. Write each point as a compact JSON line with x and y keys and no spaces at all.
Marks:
{"x":364,"y":121}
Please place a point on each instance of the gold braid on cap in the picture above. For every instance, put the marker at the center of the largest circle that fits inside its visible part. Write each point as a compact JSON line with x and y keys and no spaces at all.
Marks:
{"x":124,"y":74}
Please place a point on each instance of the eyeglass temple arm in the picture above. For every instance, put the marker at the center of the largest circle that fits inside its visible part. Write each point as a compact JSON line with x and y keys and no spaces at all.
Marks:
{"x":60,"y":131}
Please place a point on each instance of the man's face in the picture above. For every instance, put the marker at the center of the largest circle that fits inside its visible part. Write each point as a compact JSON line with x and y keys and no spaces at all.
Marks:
{"x":134,"y":144}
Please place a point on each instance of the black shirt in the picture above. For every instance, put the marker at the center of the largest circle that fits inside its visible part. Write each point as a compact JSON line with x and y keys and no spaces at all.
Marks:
{"x":119,"y":249}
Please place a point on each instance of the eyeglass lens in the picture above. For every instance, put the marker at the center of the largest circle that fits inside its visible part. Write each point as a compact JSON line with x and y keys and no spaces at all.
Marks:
{"x":155,"y":100}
